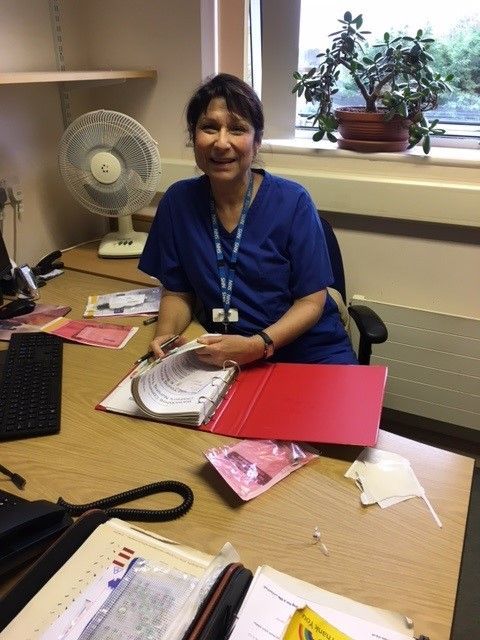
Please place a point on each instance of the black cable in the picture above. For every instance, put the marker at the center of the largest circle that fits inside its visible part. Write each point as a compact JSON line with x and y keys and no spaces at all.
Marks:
{"x":17,"y":479}
{"x":142,"y":515}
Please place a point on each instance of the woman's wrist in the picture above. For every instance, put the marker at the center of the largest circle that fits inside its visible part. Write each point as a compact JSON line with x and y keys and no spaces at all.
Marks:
{"x":265,"y":344}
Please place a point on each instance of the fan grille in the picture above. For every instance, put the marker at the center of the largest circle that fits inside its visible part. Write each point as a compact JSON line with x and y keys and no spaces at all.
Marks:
{"x":129,"y":143}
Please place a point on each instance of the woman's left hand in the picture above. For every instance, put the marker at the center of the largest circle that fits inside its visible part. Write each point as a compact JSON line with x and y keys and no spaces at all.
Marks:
{"x":219,"y":348}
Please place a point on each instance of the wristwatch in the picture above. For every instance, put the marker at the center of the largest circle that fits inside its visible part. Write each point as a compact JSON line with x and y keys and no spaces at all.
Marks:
{"x":269,"y":346}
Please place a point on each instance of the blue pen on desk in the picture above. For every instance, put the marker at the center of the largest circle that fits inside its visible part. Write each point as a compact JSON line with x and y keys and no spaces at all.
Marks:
{"x":150,"y":354}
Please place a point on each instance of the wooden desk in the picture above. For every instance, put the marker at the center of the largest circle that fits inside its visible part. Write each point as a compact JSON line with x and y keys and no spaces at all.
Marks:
{"x":395,"y":558}
{"x":85,"y":258}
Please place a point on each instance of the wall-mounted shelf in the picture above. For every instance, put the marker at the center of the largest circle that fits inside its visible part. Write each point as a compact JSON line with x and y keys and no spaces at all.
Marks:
{"x":29,"y":77}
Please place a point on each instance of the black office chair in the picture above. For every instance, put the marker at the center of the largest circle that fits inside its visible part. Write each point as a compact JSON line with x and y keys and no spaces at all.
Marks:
{"x":370,"y":326}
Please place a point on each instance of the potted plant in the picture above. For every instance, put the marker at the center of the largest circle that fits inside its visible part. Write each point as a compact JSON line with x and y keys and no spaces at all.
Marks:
{"x":396,"y":83}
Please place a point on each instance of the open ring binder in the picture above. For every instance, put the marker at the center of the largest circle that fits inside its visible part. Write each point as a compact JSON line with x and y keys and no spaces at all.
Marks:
{"x":332,"y":404}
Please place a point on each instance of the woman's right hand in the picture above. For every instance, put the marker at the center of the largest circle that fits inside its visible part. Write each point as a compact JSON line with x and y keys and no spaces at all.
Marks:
{"x":156,"y":343}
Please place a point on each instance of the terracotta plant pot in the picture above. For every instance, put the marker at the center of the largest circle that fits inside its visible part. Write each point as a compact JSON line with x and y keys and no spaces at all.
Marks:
{"x":364,"y":131}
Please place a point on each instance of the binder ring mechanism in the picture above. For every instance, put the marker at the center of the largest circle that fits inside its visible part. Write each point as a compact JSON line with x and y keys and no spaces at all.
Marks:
{"x":222,"y":384}
{"x":139,"y":515}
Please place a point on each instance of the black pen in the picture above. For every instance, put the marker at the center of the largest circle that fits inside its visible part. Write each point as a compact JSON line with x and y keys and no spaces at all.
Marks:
{"x":150,"y":320}
{"x":150,"y":354}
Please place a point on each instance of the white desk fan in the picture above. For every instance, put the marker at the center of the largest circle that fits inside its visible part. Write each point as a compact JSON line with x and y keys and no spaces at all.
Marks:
{"x":111,"y":165}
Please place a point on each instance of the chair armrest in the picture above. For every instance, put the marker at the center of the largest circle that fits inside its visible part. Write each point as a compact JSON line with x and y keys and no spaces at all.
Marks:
{"x":369,"y":324}
{"x":371,"y":328}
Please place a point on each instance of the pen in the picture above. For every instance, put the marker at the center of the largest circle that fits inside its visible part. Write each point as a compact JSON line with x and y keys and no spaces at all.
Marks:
{"x":150,"y":320}
{"x":148,"y":355}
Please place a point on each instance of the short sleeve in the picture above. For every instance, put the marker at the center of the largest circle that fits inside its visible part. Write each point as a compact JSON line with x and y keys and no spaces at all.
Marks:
{"x":160,"y":257}
{"x":310,"y":263}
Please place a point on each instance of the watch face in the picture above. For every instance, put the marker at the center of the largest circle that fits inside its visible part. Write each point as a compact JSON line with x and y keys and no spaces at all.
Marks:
{"x":269,"y":350}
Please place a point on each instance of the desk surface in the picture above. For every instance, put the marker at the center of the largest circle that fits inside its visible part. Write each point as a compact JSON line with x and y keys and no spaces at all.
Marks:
{"x":84,"y":258}
{"x":396,"y":558}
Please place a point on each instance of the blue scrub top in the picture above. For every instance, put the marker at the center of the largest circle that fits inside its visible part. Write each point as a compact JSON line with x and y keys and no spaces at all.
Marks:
{"x":283,"y":256}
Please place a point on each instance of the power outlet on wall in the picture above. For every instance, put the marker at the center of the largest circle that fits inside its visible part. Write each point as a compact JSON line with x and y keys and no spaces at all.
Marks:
{"x":3,"y":195}
{"x":15,"y":196}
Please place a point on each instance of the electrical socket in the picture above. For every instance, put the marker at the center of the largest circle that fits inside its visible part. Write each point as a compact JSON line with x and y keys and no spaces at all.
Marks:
{"x":15,"y":193}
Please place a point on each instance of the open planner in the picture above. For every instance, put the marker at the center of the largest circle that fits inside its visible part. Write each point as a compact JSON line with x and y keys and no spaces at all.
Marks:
{"x":105,"y":578}
{"x":337,"y":404}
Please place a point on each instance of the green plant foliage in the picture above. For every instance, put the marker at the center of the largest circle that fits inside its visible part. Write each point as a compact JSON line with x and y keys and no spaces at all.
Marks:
{"x":396,"y":74}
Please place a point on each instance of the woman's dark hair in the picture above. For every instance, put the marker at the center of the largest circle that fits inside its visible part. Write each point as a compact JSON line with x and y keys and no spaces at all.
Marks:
{"x":238,"y":95}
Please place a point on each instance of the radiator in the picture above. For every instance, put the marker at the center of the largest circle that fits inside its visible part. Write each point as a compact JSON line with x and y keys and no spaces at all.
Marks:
{"x":433,"y":362}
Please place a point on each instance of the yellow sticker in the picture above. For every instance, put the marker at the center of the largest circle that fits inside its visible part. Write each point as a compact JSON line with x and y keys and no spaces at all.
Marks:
{"x":305,"y":624}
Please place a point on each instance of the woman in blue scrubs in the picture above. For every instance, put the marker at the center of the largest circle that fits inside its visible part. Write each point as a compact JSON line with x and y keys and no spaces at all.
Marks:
{"x":242,"y":249}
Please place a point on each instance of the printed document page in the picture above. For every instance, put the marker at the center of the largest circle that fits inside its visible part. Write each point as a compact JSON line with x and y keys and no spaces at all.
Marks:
{"x":180,"y":385}
{"x":124,"y":303}
{"x":273,"y":597}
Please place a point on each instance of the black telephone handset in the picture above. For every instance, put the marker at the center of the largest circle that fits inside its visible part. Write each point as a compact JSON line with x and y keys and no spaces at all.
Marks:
{"x":48,"y":263}
{"x":27,"y":528}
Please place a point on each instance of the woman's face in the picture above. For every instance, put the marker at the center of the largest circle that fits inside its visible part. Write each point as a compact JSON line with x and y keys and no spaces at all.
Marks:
{"x":224,"y":143}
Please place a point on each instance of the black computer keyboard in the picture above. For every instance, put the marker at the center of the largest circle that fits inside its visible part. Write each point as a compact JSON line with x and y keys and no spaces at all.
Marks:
{"x":31,"y":386}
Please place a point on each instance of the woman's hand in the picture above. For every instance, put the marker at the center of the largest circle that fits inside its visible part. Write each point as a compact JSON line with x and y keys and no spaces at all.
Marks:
{"x":240,"y":349}
{"x":156,"y":343}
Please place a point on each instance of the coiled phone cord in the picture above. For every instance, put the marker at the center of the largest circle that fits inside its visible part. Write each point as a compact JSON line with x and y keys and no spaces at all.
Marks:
{"x":142,"y":515}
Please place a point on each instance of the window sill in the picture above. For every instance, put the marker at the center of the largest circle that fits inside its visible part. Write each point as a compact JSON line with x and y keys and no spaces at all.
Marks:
{"x":441,"y":187}
{"x":439,"y":155}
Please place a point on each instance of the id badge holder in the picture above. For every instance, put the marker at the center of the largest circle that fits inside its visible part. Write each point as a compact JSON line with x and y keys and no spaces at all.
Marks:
{"x":218,"y":315}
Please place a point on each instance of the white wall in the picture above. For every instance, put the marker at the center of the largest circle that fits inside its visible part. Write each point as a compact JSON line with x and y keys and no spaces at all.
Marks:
{"x":30,"y":128}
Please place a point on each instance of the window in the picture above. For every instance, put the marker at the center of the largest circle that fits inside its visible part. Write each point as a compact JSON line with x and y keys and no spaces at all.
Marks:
{"x":456,"y":50}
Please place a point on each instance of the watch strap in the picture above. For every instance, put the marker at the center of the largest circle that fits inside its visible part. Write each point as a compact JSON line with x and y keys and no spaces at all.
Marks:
{"x":269,"y":346}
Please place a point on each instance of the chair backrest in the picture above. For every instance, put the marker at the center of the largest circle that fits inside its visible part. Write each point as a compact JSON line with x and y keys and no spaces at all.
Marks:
{"x":370,"y":326}
{"x":335,"y":258}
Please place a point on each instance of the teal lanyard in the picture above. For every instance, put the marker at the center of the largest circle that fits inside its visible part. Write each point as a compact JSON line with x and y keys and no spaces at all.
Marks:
{"x":227,"y":274}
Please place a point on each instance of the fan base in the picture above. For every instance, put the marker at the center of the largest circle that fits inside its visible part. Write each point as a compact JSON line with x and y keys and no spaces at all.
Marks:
{"x":122,"y":245}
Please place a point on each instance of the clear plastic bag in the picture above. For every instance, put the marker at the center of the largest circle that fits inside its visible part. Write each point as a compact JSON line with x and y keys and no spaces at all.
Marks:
{"x":251,"y":467}
{"x":154,"y":600}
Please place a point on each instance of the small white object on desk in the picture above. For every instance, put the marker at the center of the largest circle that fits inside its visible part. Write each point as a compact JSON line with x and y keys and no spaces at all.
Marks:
{"x":387,"y":478}
{"x":317,"y":537}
